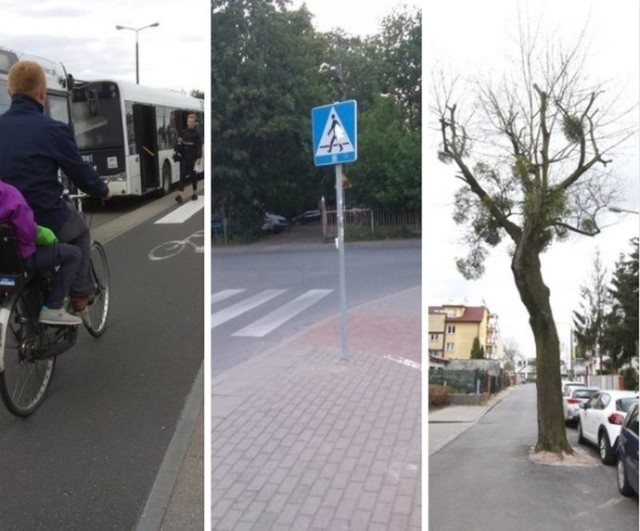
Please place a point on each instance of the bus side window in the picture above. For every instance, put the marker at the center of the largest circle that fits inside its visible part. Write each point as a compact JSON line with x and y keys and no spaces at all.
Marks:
{"x":131,"y":131}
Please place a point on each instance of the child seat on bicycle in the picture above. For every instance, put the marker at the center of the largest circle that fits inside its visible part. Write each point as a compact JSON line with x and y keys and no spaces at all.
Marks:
{"x":64,"y":259}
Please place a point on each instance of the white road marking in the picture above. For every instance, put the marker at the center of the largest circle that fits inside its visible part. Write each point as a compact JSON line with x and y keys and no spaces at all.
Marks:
{"x":224,"y":294}
{"x":218,"y":318}
{"x":405,"y":361}
{"x":273,"y":320}
{"x":182,"y":214}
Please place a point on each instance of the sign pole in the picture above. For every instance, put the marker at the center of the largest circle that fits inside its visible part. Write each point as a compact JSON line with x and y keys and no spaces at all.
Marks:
{"x":335,"y":141}
{"x":340,"y":244}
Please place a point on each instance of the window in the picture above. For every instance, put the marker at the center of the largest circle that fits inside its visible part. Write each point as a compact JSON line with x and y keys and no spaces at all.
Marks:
{"x":5,"y":100}
{"x":451,"y":329}
{"x":433,"y":337}
{"x":450,"y":347}
{"x":96,"y":117}
{"x":57,"y":107}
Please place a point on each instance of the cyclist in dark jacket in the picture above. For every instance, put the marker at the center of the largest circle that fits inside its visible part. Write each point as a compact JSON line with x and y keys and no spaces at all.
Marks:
{"x":188,"y":150}
{"x":33,"y":148}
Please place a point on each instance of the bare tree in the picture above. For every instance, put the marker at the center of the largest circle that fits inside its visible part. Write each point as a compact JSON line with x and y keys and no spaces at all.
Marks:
{"x":531,"y":152}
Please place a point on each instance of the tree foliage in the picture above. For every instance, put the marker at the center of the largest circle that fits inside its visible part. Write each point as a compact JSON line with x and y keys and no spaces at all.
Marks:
{"x":477,"y":350}
{"x":620,"y":337}
{"x":589,"y":321}
{"x":270,"y":67}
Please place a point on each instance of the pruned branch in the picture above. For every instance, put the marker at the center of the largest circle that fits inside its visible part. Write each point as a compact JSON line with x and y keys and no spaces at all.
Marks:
{"x":456,"y":153}
{"x":594,"y":232}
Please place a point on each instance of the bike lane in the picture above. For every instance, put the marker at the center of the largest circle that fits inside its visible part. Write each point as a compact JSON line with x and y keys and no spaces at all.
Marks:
{"x":88,"y":458}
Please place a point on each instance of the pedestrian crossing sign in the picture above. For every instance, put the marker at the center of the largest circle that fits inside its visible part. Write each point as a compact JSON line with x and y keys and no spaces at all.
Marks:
{"x":335,"y":133}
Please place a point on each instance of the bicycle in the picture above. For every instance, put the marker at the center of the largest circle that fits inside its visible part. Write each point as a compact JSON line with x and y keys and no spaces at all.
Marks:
{"x":28,"y":348}
{"x":96,"y":313}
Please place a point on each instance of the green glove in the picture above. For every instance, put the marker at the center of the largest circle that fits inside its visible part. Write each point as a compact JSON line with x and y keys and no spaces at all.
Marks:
{"x":45,"y":236}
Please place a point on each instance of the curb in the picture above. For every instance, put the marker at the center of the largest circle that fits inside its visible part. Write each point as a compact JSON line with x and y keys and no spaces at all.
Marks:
{"x":160,"y":495}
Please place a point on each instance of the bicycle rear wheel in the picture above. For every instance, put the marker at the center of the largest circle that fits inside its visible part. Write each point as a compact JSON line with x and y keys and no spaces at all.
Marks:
{"x":25,"y":379}
{"x":95,"y":316}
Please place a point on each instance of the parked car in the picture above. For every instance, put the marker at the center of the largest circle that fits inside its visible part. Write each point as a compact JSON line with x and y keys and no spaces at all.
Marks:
{"x":600,"y":420}
{"x":575,"y":396}
{"x":280,"y":223}
{"x":567,"y":385}
{"x":268,"y":226}
{"x":310,"y":216}
{"x":628,"y":454}
{"x":217,"y":225}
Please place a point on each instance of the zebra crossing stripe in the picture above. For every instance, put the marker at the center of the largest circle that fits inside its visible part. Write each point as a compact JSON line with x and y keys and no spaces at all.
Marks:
{"x":224,"y":294}
{"x":273,"y":320}
{"x":218,"y":318}
{"x":183,"y":213}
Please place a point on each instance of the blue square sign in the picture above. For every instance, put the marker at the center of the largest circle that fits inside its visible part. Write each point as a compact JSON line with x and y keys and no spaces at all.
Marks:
{"x":335,"y":133}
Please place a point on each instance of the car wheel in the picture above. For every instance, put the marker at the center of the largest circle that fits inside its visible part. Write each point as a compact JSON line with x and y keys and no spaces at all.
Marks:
{"x":623,"y":483}
{"x":606,"y":452}
{"x":581,"y":438}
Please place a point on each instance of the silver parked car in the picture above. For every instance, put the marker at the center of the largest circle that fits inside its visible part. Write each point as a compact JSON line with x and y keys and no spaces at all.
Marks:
{"x":575,"y":396}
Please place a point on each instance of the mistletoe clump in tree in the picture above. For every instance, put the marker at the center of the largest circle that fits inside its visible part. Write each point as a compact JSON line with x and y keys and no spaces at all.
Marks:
{"x":532,"y":155}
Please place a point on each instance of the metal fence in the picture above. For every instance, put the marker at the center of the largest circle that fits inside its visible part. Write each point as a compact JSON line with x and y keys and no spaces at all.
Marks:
{"x":470,"y":381}
{"x":400,"y":221}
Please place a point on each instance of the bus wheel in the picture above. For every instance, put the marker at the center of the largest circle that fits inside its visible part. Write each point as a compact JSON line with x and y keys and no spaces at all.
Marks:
{"x":166,"y":178}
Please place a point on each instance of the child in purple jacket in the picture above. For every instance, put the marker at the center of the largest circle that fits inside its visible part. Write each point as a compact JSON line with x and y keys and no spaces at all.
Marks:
{"x":15,"y":210}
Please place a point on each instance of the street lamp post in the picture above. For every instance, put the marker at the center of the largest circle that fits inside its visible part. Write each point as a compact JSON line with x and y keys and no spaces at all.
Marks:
{"x":137,"y":30}
{"x":620,"y":210}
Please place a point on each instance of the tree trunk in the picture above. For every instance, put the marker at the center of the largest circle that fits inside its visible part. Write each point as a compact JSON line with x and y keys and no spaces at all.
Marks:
{"x":526,"y":268}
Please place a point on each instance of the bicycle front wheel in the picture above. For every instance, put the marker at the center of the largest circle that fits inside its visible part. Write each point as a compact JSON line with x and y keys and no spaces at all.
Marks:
{"x":25,"y":379}
{"x":95,"y":316}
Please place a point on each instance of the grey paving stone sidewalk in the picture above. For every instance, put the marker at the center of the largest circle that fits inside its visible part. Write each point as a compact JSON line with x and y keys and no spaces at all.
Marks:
{"x":301,"y":440}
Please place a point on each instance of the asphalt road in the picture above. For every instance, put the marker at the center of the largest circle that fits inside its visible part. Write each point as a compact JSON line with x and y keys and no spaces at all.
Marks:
{"x":483,"y":480}
{"x":87,"y":459}
{"x":292,"y":268}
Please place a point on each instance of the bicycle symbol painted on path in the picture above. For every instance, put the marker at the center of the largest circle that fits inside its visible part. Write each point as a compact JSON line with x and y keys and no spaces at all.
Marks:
{"x":168,"y":249}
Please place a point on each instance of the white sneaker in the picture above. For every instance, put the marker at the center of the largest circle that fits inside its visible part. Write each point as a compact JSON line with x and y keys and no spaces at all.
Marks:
{"x":58,"y":317}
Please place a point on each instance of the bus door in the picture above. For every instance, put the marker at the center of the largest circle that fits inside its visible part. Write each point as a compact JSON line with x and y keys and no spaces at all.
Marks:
{"x":144,"y":122}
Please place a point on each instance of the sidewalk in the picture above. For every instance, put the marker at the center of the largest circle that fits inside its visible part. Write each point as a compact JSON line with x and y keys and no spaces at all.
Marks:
{"x":486,"y":479}
{"x":447,"y":423}
{"x":303,"y":440}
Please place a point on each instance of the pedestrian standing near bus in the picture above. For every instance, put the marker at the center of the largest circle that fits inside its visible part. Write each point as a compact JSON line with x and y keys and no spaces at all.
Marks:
{"x":188,"y":150}
{"x":33,"y":148}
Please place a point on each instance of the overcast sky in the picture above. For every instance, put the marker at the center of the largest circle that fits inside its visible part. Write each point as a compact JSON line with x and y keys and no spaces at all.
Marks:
{"x":468,"y":38}
{"x":83,"y":36}
{"x":357,"y":17}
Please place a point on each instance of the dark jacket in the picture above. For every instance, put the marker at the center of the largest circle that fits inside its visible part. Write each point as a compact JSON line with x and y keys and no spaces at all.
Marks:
{"x":191,"y":144}
{"x":32,"y":148}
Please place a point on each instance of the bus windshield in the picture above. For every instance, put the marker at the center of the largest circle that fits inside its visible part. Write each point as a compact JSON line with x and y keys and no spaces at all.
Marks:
{"x":97,"y":116}
{"x":57,"y":106}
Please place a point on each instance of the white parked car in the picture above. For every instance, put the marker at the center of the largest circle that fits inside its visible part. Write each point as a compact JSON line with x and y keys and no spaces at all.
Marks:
{"x":575,"y":396}
{"x":567,"y":385}
{"x":600,"y":420}
{"x":279,"y":222}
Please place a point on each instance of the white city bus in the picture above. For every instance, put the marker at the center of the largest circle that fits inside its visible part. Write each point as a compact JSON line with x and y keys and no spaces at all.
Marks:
{"x":57,"y":102}
{"x":127,"y":132}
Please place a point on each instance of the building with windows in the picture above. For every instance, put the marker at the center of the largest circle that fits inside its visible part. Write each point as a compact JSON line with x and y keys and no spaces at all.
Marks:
{"x":453,"y":327}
